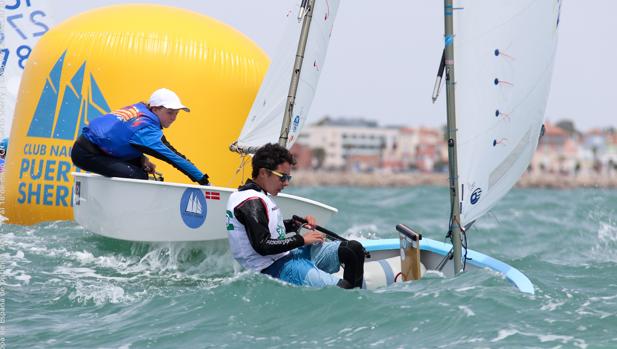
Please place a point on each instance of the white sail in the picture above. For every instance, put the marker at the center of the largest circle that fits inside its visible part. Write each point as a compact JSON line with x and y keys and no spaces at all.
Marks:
{"x":193,"y":205}
{"x":190,"y":203}
{"x":263,"y":124}
{"x":196,"y":206}
{"x":503,"y":57}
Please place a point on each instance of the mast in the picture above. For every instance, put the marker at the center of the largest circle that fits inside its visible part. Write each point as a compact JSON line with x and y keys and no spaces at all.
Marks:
{"x":306,"y":9}
{"x":454,"y":227}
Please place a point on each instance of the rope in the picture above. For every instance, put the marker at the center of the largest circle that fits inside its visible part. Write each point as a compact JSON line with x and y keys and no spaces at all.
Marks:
{"x":397,"y":275}
{"x":243,"y":159}
{"x":449,"y":235}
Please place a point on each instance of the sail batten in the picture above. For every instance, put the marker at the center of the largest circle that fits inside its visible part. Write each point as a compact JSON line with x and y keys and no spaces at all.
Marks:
{"x":504,"y":167}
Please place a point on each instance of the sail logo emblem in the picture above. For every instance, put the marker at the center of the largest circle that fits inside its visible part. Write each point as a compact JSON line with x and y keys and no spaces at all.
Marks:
{"x":296,"y":123}
{"x":475,"y":196}
{"x":80,"y":101}
{"x":193,"y":208}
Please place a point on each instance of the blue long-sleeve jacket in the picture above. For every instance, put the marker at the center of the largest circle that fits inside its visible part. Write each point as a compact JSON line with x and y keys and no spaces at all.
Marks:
{"x":130,"y":132}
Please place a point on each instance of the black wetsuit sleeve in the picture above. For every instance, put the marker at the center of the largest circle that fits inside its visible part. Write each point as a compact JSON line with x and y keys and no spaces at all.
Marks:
{"x":252,"y":214}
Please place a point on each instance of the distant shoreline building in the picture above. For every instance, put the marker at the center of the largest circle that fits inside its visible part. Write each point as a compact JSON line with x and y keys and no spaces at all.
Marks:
{"x":361,"y":145}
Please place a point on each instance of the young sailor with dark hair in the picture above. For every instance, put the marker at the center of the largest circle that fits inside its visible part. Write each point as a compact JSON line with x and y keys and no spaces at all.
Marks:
{"x":114,"y":145}
{"x":258,"y":236}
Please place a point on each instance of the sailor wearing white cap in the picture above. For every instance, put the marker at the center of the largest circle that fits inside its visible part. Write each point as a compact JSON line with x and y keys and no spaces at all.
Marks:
{"x":114,"y":144}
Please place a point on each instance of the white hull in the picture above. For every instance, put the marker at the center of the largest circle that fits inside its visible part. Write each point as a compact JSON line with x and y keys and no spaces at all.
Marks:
{"x":150,"y":211}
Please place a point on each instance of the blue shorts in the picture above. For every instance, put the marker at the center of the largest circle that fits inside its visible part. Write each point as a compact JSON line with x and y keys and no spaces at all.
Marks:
{"x":297,"y":267}
{"x":325,"y":256}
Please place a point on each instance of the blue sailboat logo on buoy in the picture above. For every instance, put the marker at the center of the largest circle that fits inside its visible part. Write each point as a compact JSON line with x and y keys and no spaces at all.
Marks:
{"x":81,"y":103}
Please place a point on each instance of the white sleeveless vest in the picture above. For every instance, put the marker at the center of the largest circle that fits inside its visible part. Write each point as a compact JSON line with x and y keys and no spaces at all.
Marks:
{"x":239,"y":243}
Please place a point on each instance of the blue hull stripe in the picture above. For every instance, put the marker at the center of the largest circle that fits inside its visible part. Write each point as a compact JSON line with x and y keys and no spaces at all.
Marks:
{"x":387,"y":270}
{"x":477,"y":259}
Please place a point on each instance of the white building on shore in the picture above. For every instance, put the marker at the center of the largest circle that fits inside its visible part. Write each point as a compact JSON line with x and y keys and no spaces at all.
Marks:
{"x":350,"y":144}
{"x":361,"y":145}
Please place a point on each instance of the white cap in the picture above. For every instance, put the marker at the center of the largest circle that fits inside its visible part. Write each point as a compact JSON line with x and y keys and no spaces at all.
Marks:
{"x":166,"y":98}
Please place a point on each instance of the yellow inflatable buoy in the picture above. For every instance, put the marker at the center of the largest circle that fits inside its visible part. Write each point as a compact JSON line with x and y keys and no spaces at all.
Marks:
{"x":112,"y":57}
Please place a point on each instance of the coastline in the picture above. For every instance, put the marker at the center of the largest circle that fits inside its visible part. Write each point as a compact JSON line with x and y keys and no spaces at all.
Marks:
{"x":545,"y":180}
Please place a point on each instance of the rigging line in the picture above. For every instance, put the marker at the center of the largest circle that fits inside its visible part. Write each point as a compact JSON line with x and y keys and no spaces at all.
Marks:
{"x":449,"y":235}
{"x":464,"y":244}
{"x":445,"y":260}
{"x":450,"y":222}
{"x":450,"y":253}
{"x":495,"y":216}
{"x":243,"y":160}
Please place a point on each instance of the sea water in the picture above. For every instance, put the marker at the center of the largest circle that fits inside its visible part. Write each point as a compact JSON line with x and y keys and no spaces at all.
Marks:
{"x":65,"y":287}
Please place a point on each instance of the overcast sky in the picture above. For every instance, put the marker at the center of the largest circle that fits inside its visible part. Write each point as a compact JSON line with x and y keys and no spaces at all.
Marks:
{"x":384,"y":54}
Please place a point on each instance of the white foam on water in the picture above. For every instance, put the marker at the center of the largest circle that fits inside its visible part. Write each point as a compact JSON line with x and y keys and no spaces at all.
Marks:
{"x":118,"y":263}
{"x":91,"y":275}
{"x":362,"y":232}
{"x":552,"y":305}
{"x":188,"y":258}
{"x":23,"y":277}
{"x":172,"y":260}
{"x":8,"y":236}
{"x":593,"y":307}
{"x":434,"y":274}
{"x":607,"y":232}
{"x":213,"y":283}
{"x":579,"y":343}
{"x":467,"y":310}
{"x":78,"y":272}
{"x":84,"y":256}
{"x":542,"y":337}
{"x":503,"y":334}
{"x":380,"y":343}
{"x":465,"y":289}
{"x":12,"y":271}
{"x":605,"y":249}
{"x":99,"y":294}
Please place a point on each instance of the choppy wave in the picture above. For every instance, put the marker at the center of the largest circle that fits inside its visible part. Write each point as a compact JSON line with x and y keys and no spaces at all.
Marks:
{"x":68,"y":288}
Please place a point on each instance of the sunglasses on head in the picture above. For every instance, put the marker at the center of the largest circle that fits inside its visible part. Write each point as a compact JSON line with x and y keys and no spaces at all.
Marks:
{"x":282,"y":176}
